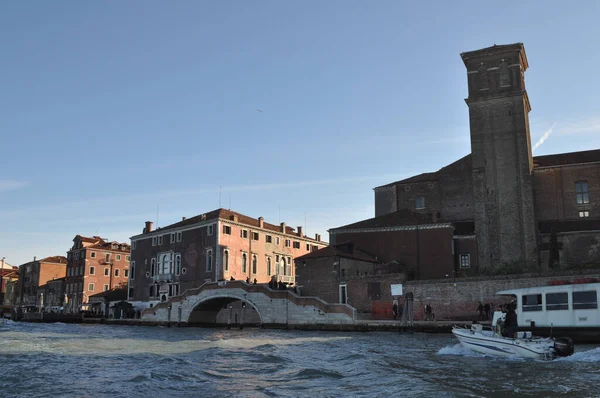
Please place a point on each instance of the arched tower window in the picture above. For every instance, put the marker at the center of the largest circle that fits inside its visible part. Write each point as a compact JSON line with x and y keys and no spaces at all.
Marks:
{"x":482,"y":78}
{"x":254,"y":264}
{"x":582,"y":193}
{"x":269,"y":266}
{"x":504,"y":76}
{"x":244,"y":263}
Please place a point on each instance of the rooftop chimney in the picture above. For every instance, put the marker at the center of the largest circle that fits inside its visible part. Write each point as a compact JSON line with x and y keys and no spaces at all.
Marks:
{"x":3,"y":258}
{"x":148,"y":228}
{"x":300,"y":231}
{"x":283,"y":227}
{"x":233,"y":217}
{"x":183,"y":218}
{"x":317,"y":237}
{"x":261,"y":222}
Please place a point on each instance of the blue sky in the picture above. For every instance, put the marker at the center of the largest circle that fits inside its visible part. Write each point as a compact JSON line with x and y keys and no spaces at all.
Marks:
{"x":109,"y":110}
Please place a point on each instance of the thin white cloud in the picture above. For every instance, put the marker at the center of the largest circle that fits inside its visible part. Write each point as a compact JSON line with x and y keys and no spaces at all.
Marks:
{"x":544,"y":137}
{"x":12,"y":185}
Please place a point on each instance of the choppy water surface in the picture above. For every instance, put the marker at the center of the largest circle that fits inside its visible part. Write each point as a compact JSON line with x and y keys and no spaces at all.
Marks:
{"x":38,"y":360}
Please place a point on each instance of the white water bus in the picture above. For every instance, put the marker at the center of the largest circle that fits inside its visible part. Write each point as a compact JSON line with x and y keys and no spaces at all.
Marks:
{"x":562,"y":308}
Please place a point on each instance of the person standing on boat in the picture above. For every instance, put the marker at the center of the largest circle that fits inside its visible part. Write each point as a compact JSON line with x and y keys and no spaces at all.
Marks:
{"x":511,"y":324}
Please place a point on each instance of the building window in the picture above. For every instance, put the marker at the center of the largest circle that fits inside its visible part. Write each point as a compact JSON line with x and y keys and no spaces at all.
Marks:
{"x":288,"y":243}
{"x":132,"y":269}
{"x":90,"y":287}
{"x":420,"y":202}
{"x":151,"y":291}
{"x":255,"y":235}
{"x":268,"y":239}
{"x":154,"y":241}
{"x":117,"y":272}
{"x":153,"y":267}
{"x":128,"y":258}
{"x":105,"y":288}
{"x":277,"y":240}
{"x":83,"y":254}
{"x":93,"y":254}
{"x":244,"y":263}
{"x":244,"y":234}
{"x":172,"y":237}
{"x":583,"y":214}
{"x":106,"y":272}
{"x":226,"y":229}
{"x":307,"y":247}
{"x":164,"y":264}
{"x":107,"y":257}
{"x":582,"y":193}
{"x":177,"y":264}
{"x":179,"y":236}
{"x":92,"y":271}
{"x":118,"y":257}
{"x":296,"y":245}
{"x":226,"y":260}
{"x":289,"y":267}
{"x":134,"y":244}
{"x":465,"y":261}
{"x":160,"y":240}
{"x":210,"y":229}
{"x":269,"y":266}
{"x":254,"y":264}
{"x":209,"y":260}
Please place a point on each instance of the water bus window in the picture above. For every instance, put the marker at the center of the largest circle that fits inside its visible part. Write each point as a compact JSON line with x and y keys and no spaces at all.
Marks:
{"x":532,"y":302}
{"x":557,"y":301}
{"x":585,"y":300}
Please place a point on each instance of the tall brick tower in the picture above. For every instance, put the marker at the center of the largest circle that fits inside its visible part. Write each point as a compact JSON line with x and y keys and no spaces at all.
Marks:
{"x":502,"y":161}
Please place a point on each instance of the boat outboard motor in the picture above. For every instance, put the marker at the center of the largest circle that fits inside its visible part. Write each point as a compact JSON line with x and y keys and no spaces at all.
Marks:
{"x":564,"y":346}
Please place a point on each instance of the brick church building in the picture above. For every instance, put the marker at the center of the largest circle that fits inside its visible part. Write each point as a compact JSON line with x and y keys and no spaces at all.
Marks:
{"x":498,"y":209}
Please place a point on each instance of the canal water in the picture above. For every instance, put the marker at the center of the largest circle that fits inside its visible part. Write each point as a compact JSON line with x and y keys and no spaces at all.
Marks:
{"x":52,"y":360}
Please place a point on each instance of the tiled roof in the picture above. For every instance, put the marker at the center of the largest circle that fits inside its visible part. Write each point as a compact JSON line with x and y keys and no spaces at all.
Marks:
{"x":54,"y":259}
{"x":562,"y":159}
{"x":424,"y":177}
{"x":399,"y":218}
{"x":464,"y":227}
{"x":588,"y":224}
{"x":94,"y":239}
{"x":121,"y":247}
{"x":227,"y":215}
{"x":346,"y":249}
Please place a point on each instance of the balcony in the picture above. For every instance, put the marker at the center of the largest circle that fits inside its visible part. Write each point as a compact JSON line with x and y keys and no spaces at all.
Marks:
{"x":285,"y":278}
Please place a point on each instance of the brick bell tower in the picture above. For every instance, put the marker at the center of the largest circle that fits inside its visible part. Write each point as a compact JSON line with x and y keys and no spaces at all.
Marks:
{"x":502,"y":161}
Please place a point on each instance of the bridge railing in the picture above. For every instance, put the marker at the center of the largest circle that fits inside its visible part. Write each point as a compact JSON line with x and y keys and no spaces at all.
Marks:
{"x":272,"y":293}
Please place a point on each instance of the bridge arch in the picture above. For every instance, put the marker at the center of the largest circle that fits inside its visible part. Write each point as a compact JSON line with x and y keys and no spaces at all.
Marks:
{"x":224,"y":309}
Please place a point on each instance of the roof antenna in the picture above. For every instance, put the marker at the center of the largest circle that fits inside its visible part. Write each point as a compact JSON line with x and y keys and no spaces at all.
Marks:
{"x":229,"y":201}
{"x":279,"y":214}
{"x":157,"y":215}
{"x":219,"y":196}
{"x":305,"y":230}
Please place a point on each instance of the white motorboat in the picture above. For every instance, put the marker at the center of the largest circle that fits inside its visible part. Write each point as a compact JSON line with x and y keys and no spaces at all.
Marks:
{"x":490,"y":341}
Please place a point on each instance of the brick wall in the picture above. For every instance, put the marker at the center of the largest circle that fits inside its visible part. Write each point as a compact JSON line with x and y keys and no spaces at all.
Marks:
{"x":426,"y":253}
{"x":555,"y":196}
{"x":458,"y":299}
{"x":385,"y":201}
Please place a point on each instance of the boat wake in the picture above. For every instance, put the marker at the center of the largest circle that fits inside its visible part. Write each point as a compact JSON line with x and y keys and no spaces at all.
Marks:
{"x":583,"y":356}
{"x":459,"y":350}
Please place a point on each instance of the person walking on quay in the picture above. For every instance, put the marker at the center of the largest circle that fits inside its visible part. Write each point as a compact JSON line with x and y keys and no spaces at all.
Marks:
{"x":480,"y":310}
{"x":395,"y":309}
{"x":486,"y":309}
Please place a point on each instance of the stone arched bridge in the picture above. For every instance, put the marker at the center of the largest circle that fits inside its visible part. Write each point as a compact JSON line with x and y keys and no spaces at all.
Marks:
{"x":273,"y":307}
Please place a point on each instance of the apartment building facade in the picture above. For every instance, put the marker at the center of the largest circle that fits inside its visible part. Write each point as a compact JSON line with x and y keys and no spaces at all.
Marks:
{"x":219,"y":245}
{"x":94,"y":265}
{"x":36,"y":273}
